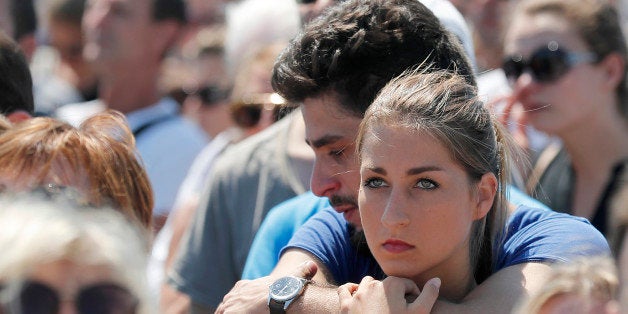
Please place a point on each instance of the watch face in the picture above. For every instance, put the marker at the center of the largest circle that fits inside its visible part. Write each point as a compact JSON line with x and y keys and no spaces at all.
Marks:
{"x":285,"y":288}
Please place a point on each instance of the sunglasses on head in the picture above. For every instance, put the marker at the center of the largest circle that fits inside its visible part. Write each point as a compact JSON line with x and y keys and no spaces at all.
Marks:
{"x":248,"y":111}
{"x":547,"y":64}
{"x":103,"y":298}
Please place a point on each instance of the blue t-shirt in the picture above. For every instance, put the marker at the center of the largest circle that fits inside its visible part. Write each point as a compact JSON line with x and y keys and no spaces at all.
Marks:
{"x":284,"y":219}
{"x":278,"y":226}
{"x":534,"y":235}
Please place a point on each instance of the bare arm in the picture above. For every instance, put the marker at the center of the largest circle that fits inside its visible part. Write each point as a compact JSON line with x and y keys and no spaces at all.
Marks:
{"x":251,"y":296}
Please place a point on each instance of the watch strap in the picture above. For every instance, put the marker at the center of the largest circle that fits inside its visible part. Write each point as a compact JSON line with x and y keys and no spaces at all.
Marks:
{"x":276,"y":307}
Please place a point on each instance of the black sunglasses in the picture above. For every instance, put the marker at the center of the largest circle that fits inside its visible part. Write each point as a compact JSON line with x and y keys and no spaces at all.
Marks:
{"x":212,"y":94}
{"x":103,"y":298}
{"x":547,"y":64}
{"x":248,"y":111}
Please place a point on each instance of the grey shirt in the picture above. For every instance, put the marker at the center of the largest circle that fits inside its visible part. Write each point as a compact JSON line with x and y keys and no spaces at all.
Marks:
{"x":247,"y":180}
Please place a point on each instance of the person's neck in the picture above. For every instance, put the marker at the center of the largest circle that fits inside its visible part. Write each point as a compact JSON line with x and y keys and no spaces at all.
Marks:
{"x":598,"y":145}
{"x":456,"y":276}
{"x":129,"y":89}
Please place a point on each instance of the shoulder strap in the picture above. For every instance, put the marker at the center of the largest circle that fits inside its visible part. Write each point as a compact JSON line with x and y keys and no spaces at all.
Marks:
{"x":544,"y":160}
{"x":152,"y":123}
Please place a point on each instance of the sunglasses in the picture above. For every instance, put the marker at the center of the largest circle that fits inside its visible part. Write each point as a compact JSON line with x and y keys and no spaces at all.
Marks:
{"x":104,"y":298}
{"x":547,"y":64}
{"x":247,"y":112}
{"x":211,"y":94}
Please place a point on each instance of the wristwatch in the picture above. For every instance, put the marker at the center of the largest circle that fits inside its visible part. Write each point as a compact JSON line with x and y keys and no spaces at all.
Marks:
{"x":283,"y":291}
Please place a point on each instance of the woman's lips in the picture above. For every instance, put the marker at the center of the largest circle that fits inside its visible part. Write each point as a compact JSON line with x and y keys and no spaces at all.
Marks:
{"x":396,"y":246}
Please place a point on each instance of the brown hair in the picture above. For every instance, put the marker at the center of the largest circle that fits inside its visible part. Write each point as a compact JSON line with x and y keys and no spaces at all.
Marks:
{"x":446,"y":106}
{"x":100,"y":158}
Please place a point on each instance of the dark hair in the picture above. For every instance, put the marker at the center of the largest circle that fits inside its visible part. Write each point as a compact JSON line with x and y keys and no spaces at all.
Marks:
{"x":24,"y":18}
{"x":169,"y":10}
{"x":16,"y":85}
{"x":357,"y":46}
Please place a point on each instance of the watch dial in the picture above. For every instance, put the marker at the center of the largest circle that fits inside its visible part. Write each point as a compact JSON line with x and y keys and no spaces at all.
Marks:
{"x":285,"y":288}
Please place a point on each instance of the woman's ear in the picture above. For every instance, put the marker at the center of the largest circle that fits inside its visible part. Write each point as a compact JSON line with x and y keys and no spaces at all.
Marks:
{"x":486,"y":190}
{"x":614,"y":68}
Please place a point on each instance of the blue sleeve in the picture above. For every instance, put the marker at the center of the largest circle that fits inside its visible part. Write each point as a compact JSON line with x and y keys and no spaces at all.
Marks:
{"x":541,"y":235}
{"x":327,"y":236}
{"x":276,"y":230}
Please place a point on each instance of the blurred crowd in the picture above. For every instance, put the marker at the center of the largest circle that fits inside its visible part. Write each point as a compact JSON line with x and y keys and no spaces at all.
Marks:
{"x":161,"y":156}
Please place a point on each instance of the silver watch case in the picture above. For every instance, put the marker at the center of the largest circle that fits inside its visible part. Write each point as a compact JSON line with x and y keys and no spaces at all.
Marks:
{"x":286,"y":289}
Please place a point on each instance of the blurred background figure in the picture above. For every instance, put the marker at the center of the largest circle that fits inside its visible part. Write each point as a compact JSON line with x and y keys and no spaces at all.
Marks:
{"x":98,"y":160}
{"x":60,"y":257}
{"x":486,"y":19}
{"x":18,"y":20}
{"x":253,"y":107}
{"x":207,"y":12}
{"x":566,"y":61}
{"x":579,"y":287}
{"x":127,"y":41}
{"x":309,"y":9}
{"x":67,"y":77}
{"x":16,"y":85}
{"x":251,"y":23}
{"x":195,"y":76}
{"x":263,"y":169}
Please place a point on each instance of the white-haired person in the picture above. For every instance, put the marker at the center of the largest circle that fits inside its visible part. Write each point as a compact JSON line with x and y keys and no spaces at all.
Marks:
{"x":61,"y":257}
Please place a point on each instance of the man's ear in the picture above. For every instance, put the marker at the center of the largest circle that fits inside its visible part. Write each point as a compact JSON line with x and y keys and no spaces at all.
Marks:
{"x":486,"y":190}
{"x":18,"y":116}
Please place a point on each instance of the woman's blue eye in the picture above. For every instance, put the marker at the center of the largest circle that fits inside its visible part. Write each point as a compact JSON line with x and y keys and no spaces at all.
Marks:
{"x":374,"y":183}
{"x":426,"y":184}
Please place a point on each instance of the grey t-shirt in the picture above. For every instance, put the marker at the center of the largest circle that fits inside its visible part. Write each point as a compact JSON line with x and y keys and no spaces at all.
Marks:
{"x":247,"y":181}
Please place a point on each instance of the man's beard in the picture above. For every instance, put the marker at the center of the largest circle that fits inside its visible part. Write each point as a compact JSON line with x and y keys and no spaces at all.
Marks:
{"x":340,"y":200}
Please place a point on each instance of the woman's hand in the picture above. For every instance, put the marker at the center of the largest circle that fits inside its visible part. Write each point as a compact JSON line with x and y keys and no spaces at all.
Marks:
{"x":391,"y":295}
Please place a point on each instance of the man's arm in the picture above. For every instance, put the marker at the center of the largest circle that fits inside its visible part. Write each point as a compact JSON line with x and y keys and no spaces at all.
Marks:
{"x":498,"y":294}
{"x":501,"y":291}
{"x":251,"y":296}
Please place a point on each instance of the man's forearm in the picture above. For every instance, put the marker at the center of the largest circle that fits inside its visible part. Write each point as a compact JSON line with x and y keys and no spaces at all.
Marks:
{"x":501,"y":292}
{"x":317,"y":299}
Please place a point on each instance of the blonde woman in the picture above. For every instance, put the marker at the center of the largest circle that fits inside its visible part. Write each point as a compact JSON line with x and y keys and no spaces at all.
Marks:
{"x":59,"y":257}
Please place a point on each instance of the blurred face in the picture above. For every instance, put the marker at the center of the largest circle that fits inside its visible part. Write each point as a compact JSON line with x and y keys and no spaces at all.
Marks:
{"x":331,"y":133}
{"x":417,"y":205}
{"x":574,"y":304}
{"x":118,"y":30}
{"x":569,"y":100}
{"x":66,"y":38}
